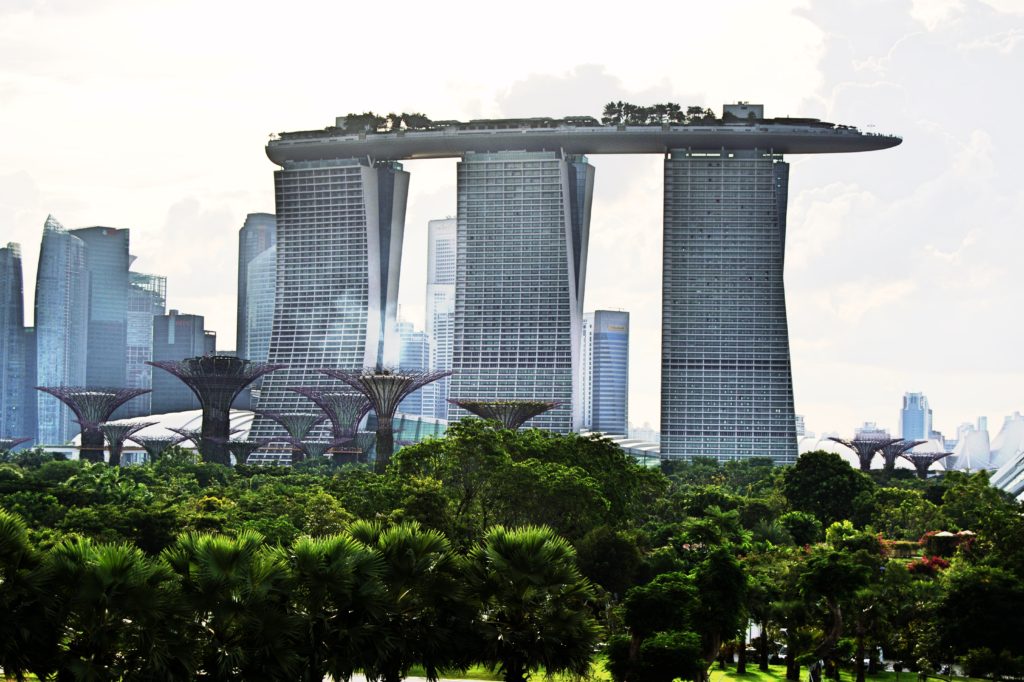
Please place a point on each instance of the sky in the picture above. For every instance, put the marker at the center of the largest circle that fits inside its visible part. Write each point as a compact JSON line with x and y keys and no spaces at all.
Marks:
{"x":903,"y":267}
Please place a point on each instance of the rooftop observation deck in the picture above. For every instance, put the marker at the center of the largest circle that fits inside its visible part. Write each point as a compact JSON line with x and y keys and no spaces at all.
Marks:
{"x":453,"y":141}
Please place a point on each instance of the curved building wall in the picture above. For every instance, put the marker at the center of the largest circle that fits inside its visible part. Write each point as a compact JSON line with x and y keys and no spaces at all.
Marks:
{"x":726,"y":384}
{"x":339,"y":245}
{"x":523,"y":225}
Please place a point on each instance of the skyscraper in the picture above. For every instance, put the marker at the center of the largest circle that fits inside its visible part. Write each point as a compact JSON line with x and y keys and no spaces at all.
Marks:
{"x":106,"y":258}
{"x":605,"y":371}
{"x":257,"y":234}
{"x":259,"y":321}
{"x":414,"y":354}
{"x":147,"y":296}
{"x":915,"y":417}
{"x":12,"y":345}
{"x":440,"y":328}
{"x":175,"y":337}
{"x":726,"y":386}
{"x":61,"y":324}
{"x":339,"y":245}
{"x":523,"y":226}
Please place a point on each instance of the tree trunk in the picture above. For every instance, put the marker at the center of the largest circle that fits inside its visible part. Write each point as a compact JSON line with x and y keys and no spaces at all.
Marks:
{"x":815,"y":671}
{"x":92,"y":445}
{"x":762,"y":649}
{"x":832,"y":668}
{"x":872,"y":663}
{"x":792,"y":669}
{"x":859,"y":660}
{"x":741,"y":655}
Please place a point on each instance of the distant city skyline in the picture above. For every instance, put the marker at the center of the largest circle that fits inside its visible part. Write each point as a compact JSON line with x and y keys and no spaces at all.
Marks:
{"x":926,"y":242}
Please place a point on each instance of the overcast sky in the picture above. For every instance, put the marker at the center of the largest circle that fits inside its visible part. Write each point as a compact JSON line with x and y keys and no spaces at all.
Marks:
{"x":903,"y":267}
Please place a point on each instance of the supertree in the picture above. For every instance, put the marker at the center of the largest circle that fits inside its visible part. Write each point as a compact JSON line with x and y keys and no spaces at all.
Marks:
{"x":893,"y":450}
{"x":364,"y":442}
{"x":866,"y":448}
{"x":8,"y":444}
{"x":314,"y":450}
{"x":241,"y":449}
{"x":923,"y":461}
{"x":385,"y":389}
{"x":511,"y":413}
{"x":92,"y":406}
{"x":216,"y":380}
{"x":117,"y":434}
{"x":195,"y":435}
{"x":298,"y":425}
{"x":155,"y":446}
{"x":345,"y":409}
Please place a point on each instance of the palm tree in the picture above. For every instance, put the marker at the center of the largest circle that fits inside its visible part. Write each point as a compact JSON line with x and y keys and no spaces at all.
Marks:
{"x":28,"y":639}
{"x":339,"y":599}
{"x":239,"y":591}
{"x":121,"y":615}
{"x":427,"y":617}
{"x":534,"y":604}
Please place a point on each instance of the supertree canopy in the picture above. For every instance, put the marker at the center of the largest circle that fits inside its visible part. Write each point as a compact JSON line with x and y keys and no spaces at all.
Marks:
{"x":385,"y":389}
{"x":298,"y":425}
{"x":317,"y":449}
{"x":511,"y":413}
{"x":345,"y":409}
{"x":7,"y":444}
{"x":155,"y":446}
{"x":92,"y":406}
{"x":893,"y":450}
{"x":923,"y":461}
{"x":216,"y":380}
{"x":117,"y":434}
{"x":194,"y":435}
{"x":365,"y":441}
{"x":866,"y":448}
{"x":241,"y":449}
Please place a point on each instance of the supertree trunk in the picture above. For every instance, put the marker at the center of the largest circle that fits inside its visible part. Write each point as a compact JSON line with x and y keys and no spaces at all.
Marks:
{"x":92,"y":445}
{"x":385,"y":445}
{"x":216,"y":433}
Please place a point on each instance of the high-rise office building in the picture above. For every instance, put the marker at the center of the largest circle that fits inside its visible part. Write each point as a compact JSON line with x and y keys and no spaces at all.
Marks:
{"x":440,"y":328}
{"x":257,"y":234}
{"x":915,"y":417}
{"x":604,"y":378}
{"x":106,"y":258}
{"x":523,"y":226}
{"x":147,"y":297}
{"x":62,"y":327}
{"x":260,"y":285}
{"x":414,"y":355}
{"x":175,"y":337}
{"x":29,"y":417}
{"x":726,"y":387}
{"x":339,"y":246}
{"x":12,"y":345}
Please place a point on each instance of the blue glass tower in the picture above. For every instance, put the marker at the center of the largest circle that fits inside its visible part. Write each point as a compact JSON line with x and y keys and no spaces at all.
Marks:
{"x":606,"y":368}
{"x":61,"y":319}
{"x":12,"y":345}
{"x":915,"y":417}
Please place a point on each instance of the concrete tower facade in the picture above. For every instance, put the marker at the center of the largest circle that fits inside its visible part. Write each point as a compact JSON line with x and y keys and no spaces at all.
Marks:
{"x":106,"y":258}
{"x":13,"y":421}
{"x":726,"y":384}
{"x":523,"y":227}
{"x":339,"y":246}
{"x":441,"y":249}
{"x":257,"y":234}
{"x":62,"y":329}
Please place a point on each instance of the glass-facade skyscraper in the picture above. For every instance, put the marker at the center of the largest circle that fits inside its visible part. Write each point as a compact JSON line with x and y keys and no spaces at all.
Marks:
{"x":106,"y":258}
{"x":440,"y":311}
{"x":726,"y":385}
{"x":915,"y":417}
{"x":340,"y":225}
{"x":13,"y":372}
{"x":523,"y":226}
{"x":147,"y":298}
{"x":175,"y":337}
{"x":605,"y":371}
{"x":414,"y":355}
{"x":62,"y":329}
{"x":257,"y":234}
{"x":260,"y":285}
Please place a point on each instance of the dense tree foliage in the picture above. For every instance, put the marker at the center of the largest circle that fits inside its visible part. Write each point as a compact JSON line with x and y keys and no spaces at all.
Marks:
{"x":521,"y":550}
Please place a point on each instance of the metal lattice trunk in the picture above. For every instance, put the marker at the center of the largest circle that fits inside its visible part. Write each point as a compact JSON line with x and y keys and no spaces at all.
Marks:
{"x":117,"y":434}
